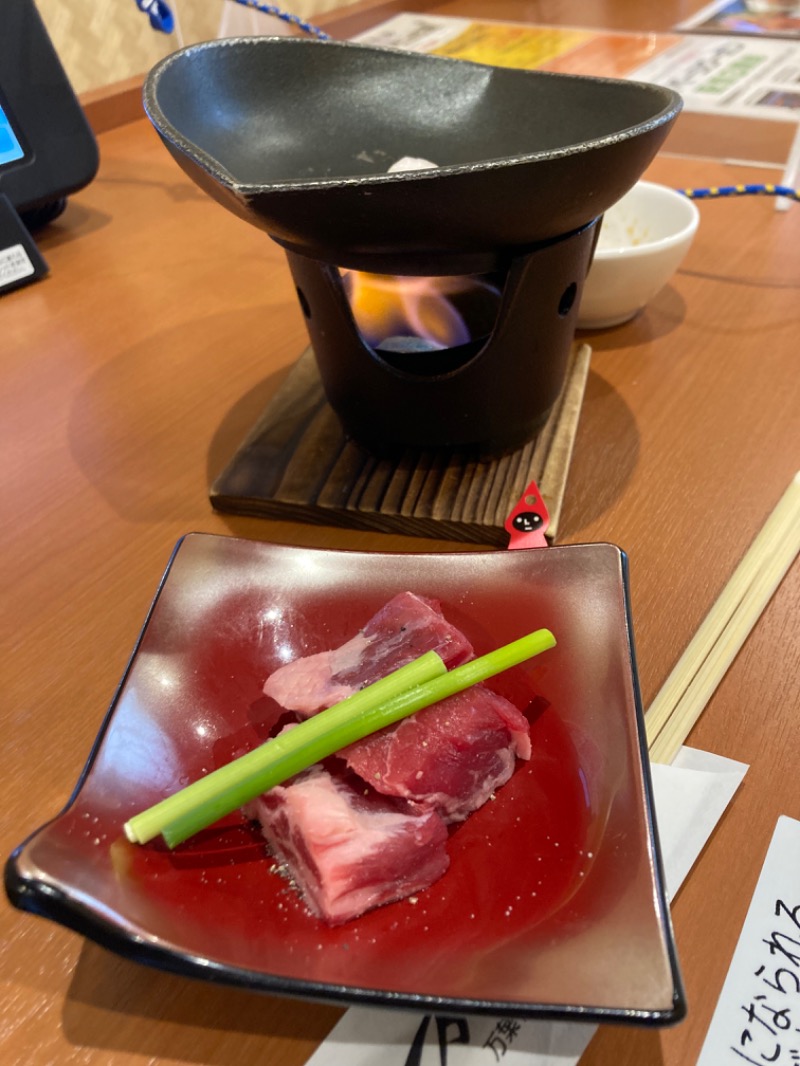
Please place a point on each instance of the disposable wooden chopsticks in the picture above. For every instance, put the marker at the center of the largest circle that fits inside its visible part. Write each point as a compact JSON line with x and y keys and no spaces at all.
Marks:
{"x":703,"y":664}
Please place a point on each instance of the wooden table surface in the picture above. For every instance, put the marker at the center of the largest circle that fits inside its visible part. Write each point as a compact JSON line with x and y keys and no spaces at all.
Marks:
{"x":129,"y":377}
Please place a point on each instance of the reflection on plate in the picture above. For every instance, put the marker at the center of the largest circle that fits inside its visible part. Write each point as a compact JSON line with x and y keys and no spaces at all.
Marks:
{"x":553,"y":905}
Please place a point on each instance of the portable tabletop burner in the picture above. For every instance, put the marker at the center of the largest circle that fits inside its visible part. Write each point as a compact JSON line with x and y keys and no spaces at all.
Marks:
{"x":483,"y":244}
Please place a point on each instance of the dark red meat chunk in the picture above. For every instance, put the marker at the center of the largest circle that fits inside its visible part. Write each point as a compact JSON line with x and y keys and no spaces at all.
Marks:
{"x":349,"y":849}
{"x":449,"y":757}
{"x":405,"y":628}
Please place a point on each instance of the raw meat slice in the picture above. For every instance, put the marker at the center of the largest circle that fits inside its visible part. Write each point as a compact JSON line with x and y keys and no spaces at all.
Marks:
{"x":449,"y":757}
{"x":348,"y":849}
{"x":406,"y":627}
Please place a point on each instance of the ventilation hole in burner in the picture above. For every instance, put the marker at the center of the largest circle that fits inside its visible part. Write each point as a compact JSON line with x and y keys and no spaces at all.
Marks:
{"x":567,"y":299}
{"x":304,"y":306}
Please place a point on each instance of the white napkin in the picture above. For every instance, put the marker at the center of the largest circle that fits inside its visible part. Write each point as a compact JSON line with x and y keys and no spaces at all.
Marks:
{"x":690,"y":798}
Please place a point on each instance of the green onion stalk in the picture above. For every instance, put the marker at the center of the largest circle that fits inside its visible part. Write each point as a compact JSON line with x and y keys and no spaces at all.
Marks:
{"x":416,"y":685}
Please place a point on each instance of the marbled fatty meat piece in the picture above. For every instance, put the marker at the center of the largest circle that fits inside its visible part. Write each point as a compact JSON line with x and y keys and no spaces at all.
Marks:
{"x":449,"y":757}
{"x":405,"y":628}
{"x":350,"y":850}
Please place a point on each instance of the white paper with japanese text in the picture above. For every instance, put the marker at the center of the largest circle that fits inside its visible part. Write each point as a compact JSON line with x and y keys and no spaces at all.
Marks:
{"x":757,"y":1018}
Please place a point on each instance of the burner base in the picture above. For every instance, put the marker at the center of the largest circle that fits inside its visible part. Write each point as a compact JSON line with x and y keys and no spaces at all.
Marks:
{"x":297,"y":464}
{"x":498,"y":391}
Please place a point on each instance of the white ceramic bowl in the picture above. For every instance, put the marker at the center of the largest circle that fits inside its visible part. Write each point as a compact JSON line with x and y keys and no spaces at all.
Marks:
{"x":643,"y":240}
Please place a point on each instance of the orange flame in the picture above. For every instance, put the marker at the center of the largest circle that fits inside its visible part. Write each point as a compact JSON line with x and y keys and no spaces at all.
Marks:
{"x":387,"y":307}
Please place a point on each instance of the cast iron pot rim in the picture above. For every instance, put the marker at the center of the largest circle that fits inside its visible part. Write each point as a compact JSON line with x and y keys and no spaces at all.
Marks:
{"x":672,"y":107}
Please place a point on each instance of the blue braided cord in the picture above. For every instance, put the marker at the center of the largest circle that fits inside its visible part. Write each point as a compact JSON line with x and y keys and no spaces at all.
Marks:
{"x":162,"y":19}
{"x":714,"y":192}
{"x":286,"y":16}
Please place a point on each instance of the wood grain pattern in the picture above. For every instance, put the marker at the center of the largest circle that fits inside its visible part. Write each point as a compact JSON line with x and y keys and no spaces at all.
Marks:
{"x":128,"y":379}
{"x":297,"y":464}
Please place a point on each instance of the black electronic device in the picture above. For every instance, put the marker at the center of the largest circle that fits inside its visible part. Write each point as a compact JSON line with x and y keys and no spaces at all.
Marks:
{"x":47,"y":148}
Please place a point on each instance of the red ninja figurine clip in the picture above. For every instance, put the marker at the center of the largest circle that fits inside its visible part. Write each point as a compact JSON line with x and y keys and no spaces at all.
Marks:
{"x":527,"y":523}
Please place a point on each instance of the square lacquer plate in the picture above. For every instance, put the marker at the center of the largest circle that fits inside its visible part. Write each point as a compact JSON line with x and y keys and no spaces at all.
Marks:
{"x":553,"y":905}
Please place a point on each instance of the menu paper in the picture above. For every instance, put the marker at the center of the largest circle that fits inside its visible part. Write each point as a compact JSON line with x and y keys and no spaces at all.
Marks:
{"x":739,"y":16}
{"x":742,"y":75}
{"x":751,"y":77}
{"x":757,"y":1019}
{"x":690,"y":797}
{"x":559,"y":49}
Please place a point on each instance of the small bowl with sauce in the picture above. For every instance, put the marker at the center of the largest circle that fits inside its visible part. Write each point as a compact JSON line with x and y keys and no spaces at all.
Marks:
{"x":643,"y":240}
